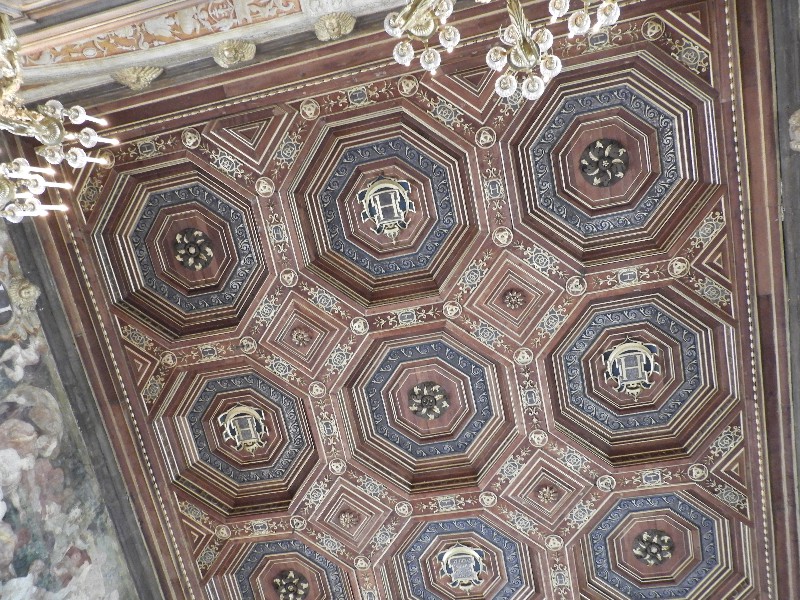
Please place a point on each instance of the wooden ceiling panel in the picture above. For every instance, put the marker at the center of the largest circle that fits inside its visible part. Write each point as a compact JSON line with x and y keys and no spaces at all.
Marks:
{"x":537,"y":349}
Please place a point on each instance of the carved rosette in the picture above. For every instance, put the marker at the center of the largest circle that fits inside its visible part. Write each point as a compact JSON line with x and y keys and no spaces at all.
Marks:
{"x":604,"y":162}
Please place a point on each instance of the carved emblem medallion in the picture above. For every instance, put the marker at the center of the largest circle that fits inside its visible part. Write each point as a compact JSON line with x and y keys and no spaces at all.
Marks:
{"x":386,"y":202}
{"x":631,"y":364}
{"x":244,"y":426}
{"x":428,"y":399}
{"x":463,"y":565}
{"x":604,"y":162}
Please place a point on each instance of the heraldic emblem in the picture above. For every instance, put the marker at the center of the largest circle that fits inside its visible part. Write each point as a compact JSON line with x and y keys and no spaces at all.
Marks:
{"x":631,"y":364}
{"x":463,"y":565}
{"x":244,"y":426}
{"x":386,"y":202}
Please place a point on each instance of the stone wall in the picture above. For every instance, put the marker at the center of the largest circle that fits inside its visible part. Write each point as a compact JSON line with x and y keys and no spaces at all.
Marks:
{"x":56,"y":537}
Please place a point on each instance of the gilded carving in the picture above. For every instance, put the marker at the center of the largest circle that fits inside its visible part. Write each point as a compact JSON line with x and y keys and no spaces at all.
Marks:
{"x":137,"y":78}
{"x":233,"y":52}
{"x":334,"y":26}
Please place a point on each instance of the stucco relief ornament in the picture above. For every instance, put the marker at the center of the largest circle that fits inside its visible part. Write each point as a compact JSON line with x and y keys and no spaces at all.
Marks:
{"x":631,"y":364}
{"x":463,"y":565}
{"x":334,"y":26}
{"x":290,"y":585}
{"x":232,"y":52}
{"x":244,"y":426}
{"x":604,"y":162}
{"x":428,"y":400}
{"x":386,"y":202}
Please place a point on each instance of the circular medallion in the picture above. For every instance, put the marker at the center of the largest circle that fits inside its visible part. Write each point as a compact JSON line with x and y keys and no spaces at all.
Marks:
{"x":309,"y":109}
{"x":248,"y":345}
{"x":317,"y":389}
{"x":678,"y":267}
{"x":698,"y":472}
{"x":407,"y":86}
{"x":538,"y":438}
{"x":265,"y":187}
{"x":451,"y":310}
{"x":523,"y":356}
{"x":337,"y":466}
{"x":653,"y":28}
{"x":502,"y":237}
{"x":223,"y":532}
{"x":359,"y":326}
{"x":485,"y":137}
{"x":606,"y":483}
{"x":289,"y":277}
{"x":168,"y":359}
{"x":554,"y":543}
{"x":576,"y":286}
{"x":190,"y":138}
{"x":488,"y":499}
{"x":404,"y":509}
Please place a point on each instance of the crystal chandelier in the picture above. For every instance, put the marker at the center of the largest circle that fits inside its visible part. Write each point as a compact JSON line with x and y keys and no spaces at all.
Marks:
{"x":524,"y":48}
{"x":20,"y":183}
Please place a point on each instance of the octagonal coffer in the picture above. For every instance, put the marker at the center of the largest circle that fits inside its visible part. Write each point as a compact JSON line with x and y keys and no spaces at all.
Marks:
{"x":425,"y":406}
{"x":239,"y":442}
{"x":181,"y":251}
{"x":465,"y":557}
{"x":385,"y":209}
{"x":669,"y":545}
{"x":636,"y":377}
{"x":618,"y":163}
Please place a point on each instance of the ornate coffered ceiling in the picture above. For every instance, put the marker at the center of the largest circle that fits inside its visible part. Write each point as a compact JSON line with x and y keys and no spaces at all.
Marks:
{"x":360,"y":332}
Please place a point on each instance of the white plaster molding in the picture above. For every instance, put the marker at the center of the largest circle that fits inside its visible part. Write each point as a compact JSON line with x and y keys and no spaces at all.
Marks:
{"x":794,"y":131}
{"x":58,"y":79}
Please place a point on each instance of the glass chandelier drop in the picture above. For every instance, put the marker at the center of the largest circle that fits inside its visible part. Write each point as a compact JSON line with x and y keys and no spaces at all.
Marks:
{"x":49,"y":124}
{"x":525,"y":57}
